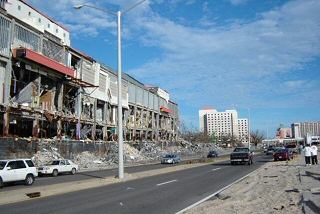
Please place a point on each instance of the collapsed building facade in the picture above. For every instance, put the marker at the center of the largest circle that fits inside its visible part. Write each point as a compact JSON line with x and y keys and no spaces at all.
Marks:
{"x":51,"y":90}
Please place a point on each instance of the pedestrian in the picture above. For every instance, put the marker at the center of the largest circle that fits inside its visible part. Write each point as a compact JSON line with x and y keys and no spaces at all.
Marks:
{"x":300,"y":149}
{"x":307,"y":154}
{"x":314,"y":154}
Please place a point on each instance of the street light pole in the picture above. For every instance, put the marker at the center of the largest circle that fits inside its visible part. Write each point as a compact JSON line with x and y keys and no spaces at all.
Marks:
{"x":249,"y":135}
{"x":120,"y":128}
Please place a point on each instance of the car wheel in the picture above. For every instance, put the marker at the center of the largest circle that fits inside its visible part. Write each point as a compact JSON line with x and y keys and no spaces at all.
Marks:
{"x":73,"y":171}
{"x":251,"y":161}
{"x":173,"y":162}
{"x":29,"y":180}
{"x":55,"y":173}
{"x":1,"y":183}
{"x":232,"y":163}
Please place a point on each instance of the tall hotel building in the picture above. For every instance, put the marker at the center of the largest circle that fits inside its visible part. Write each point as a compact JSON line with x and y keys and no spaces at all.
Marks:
{"x":304,"y":128}
{"x":223,"y":124}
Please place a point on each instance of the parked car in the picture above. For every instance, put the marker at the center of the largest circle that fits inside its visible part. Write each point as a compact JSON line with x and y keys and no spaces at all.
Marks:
{"x":292,"y":147}
{"x":270,"y":151}
{"x":283,"y":154}
{"x":17,"y":170}
{"x":171,"y":158}
{"x":56,"y":167}
{"x":212,"y":154}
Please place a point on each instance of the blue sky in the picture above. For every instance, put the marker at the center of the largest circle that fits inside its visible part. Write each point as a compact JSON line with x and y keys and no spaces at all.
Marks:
{"x":217,"y":53}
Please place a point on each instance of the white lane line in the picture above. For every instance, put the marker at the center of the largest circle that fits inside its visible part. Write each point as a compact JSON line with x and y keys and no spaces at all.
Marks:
{"x":216,"y":169}
{"x":166,"y":182}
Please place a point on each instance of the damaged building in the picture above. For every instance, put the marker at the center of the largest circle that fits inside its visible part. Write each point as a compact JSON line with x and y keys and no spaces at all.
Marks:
{"x":50,"y":90}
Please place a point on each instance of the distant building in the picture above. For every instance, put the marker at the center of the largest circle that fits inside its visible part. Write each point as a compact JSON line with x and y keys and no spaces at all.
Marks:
{"x":283,"y":132}
{"x":301,"y":130}
{"x":243,"y":129}
{"x":223,"y":123}
{"x":312,"y":128}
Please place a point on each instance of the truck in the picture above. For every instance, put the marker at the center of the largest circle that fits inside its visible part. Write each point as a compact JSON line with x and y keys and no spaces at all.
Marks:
{"x":241,"y":155}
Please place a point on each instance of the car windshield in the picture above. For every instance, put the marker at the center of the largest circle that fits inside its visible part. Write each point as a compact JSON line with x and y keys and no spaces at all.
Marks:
{"x":169,"y":156}
{"x":241,"y":150}
{"x":2,"y":164}
{"x":282,"y":151}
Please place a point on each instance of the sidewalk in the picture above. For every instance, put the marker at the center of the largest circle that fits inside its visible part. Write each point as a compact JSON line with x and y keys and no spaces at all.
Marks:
{"x":310,"y":185}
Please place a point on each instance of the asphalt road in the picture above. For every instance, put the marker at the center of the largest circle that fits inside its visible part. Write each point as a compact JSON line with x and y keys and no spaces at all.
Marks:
{"x":165,"y":193}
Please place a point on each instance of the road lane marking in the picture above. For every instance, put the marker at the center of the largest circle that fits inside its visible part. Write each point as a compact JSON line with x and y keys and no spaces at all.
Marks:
{"x":216,"y":169}
{"x":166,"y":182}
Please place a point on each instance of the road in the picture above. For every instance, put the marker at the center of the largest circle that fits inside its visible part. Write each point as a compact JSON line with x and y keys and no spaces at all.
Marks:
{"x":164,"y":193}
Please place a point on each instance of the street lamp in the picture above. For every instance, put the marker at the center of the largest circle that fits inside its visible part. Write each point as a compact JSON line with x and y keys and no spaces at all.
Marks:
{"x":249,"y":134}
{"x":249,"y":137}
{"x":120,"y":131}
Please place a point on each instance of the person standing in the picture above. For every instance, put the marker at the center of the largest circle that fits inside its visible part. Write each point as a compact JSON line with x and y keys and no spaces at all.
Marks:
{"x":314,"y":154}
{"x":300,"y":149}
{"x":307,"y":154}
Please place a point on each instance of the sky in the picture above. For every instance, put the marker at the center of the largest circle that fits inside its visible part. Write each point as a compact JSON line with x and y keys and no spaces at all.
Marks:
{"x":261,"y":58}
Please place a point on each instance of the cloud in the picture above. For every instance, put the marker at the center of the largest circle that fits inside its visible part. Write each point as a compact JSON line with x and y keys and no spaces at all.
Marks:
{"x":239,"y":61}
{"x":206,"y":58}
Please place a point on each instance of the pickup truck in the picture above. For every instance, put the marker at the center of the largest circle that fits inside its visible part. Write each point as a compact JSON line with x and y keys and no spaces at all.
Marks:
{"x":241,"y":155}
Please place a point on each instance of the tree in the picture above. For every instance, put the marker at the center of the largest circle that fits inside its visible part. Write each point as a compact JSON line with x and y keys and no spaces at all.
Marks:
{"x":256,"y":137}
{"x":192,"y":135}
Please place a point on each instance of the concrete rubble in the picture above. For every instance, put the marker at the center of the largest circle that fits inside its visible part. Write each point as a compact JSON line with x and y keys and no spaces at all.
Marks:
{"x":133,"y":154}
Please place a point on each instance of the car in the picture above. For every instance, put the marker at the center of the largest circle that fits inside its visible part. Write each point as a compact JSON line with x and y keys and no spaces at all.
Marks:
{"x":292,"y":147}
{"x":56,"y":167}
{"x":270,"y":151}
{"x":241,"y":155}
{"x":171,"y":158}
{"x":212,"y":154}
{"x":14,"y":170}
{"x":283,"y":154}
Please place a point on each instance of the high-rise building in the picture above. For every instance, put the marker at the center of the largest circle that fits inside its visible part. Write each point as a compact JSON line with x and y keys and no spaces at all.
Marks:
{"x":304,"y":128}
{"x":243,"y":129}
{"x":295,"y":130}
{"x":223,"y":123}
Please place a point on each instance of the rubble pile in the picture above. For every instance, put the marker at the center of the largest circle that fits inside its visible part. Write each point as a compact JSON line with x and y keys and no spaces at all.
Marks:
{"x":142,"y":153}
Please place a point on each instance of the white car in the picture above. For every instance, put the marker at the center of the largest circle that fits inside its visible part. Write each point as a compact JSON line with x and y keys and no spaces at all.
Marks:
{"x":56,"y":167}
{"x":17,"y":170}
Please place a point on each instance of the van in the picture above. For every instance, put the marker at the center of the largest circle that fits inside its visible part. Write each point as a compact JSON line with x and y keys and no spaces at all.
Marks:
{"x":14,"y":170}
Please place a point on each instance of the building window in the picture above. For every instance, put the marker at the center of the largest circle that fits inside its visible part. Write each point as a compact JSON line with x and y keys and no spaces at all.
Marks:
{"x":49,"y":25}
{"x":57,"y":31}
{"x":19,"y":7}
{"x":39,"y":20}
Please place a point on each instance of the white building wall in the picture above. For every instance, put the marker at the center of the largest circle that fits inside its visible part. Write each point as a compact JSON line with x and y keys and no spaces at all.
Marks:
{"x":36,"y":19}
{"x":202,"y":113}
{"x":243,"y":130}
{"x":220,"y":123}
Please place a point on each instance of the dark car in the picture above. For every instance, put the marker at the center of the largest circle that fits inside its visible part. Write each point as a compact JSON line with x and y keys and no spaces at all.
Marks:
{"x":283,"y":154}
{"x":212,"y":154}
{"x":270,"y":151}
